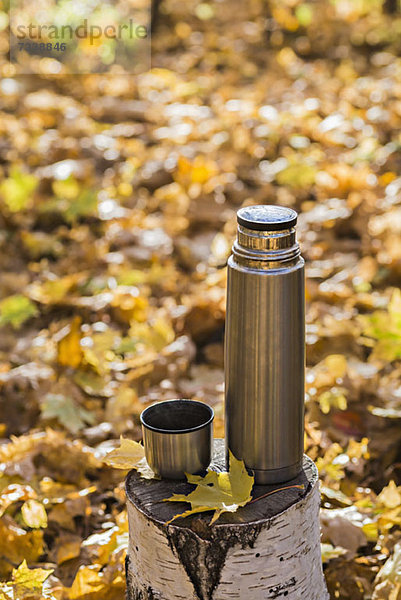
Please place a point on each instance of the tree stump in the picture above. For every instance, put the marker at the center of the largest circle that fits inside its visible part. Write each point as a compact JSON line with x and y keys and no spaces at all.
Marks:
{"x":269,"y":548}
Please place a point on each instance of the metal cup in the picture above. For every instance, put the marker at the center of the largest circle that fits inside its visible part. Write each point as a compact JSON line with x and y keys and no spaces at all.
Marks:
{"x":178,"y":437}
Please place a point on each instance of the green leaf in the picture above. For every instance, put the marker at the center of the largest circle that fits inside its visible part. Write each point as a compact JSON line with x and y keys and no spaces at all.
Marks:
{"x":85,"y":205}
{"x":304,"y":14}
{"x":93,"y":384}
{"x":17,"y":189}
{"x":66,"y":188}
{"x":66,"y":411}
{"x":16,"y":310}
{"x":221,"y":492}
{"x":71,"y":201}
{"x":297,"y":175}
{"x":204,"y":11}
{"x":385,"y":328}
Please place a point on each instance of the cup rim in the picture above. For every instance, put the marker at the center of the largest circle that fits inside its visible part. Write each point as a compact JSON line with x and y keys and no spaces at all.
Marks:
{"x":175,"y":431}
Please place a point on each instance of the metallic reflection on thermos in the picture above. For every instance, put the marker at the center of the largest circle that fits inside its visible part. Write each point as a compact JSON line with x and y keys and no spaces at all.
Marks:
{"x":265,"y":344}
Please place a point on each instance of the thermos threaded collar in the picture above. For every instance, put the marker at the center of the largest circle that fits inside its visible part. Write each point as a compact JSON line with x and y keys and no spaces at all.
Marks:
{"x":266,"y":237}
{"x":266,"y":217}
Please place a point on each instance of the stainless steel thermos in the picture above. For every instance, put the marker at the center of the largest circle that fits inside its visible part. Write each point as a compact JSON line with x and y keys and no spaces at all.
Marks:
{"x":265,"y":344}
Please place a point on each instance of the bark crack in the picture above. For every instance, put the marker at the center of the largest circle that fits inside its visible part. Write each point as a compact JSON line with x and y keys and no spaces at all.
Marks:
{"x":204,"y":563}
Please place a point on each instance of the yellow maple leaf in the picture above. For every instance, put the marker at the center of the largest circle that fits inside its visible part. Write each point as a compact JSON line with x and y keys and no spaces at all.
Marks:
{"x":69,"y":351}
{"x":28,"y":583}
{"x":221,"y":492}
{"x":130,"y":455}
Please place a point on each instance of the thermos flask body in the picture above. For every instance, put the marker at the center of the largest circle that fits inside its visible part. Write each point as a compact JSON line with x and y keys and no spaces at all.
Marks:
{"x":265,"y":345}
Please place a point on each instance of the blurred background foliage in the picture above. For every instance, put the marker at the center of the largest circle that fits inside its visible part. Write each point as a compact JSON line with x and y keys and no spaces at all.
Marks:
{"x":118,"y":197}
{"x":78,"y":36}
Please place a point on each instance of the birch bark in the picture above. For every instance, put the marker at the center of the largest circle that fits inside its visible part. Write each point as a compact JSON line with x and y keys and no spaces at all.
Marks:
{"x":267,"y":549}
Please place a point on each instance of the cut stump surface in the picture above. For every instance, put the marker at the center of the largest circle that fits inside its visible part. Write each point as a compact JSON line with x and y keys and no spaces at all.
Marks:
{"x":269,"y":548}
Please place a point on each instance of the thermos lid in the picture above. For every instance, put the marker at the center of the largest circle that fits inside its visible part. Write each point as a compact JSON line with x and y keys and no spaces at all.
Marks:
{"x":267,"y":217}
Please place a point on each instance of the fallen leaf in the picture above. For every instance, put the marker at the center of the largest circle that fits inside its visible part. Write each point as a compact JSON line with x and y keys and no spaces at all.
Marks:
{"x":17,"y":189}
{"x":384,"y":326}
{"x":221,"y":492}
{"x":15,"y":492}
{"x":92,"y":583}
{"x":336,"y":364}
{"x":128,"y":305}
{"x":101,"y":545}
{"x":16,"y":310}
{"x":333,"y":398}
{"x":329,"y":552}
{"x":34,"y":514}
{"x":69,"y":351}
{"x":28,"y":583}
{"x":343,"y":527}
{"x":92,"y":383}
{"x":54,"y":291}
{"x":390,"y":496}
{"x":17,"y":544}
{"x":66,"y":411}
{"x":388,"y":580}
{"x":69,"y":547}
{"x":297,"y":175}
{"x":130,"y":455}
{"x":88,"y":583}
